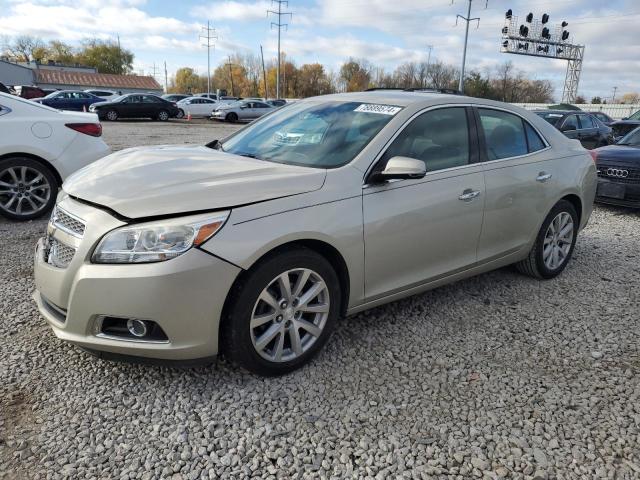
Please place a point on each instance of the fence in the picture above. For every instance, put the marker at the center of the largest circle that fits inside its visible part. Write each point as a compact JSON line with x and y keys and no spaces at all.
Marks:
{"x":614,"y":110}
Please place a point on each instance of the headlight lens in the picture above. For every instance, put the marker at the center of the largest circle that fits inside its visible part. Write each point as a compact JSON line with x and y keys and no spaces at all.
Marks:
{"x":157,"y":241}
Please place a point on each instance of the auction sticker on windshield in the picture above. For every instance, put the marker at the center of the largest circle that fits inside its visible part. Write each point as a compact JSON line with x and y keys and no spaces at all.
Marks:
{"x":381,"y":109}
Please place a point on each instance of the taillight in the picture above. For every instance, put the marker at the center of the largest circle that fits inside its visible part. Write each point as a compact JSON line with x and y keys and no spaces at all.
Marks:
{"x":93,"y":129}
{"x":594,"y":155}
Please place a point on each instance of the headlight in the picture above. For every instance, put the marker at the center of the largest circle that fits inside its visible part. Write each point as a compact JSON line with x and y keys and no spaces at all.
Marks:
{"x":157,"y":241}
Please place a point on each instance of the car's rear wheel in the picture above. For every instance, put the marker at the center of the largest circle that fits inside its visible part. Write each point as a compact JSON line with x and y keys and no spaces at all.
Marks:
{"x":111,"y":115}
{"x":554,"y":244}
{"x":28,"y":189}
{"x":282,"y":313}
{"x":163,"y":115}
{"x":232,"y":117}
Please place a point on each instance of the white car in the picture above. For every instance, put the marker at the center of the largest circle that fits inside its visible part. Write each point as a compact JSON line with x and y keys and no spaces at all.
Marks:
{"x":244,"y":110}
{"x":196,"y":106}
{"x":106,"y":94}
{"x":39,"y":148}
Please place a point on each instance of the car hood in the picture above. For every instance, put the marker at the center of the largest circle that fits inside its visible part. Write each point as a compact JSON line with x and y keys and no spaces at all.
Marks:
{"x":165,"y":180}
{"x":103,"y":103}
{"x":623,"y":154}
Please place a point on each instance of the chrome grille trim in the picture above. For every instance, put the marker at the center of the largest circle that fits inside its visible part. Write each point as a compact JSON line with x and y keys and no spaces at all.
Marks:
{"x":67,"y":222}
{"x":57,"y":253}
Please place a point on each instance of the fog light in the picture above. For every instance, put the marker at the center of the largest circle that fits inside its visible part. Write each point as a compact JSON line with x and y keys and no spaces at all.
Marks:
{"x":136,"y":327}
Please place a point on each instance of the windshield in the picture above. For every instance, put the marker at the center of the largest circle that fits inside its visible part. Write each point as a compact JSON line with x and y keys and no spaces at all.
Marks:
{"x":635,"y":116}
{"x":632,"y":138}
{"x":313,"y":134}
{"x":119,"y":99}
{"x":550,"y":117}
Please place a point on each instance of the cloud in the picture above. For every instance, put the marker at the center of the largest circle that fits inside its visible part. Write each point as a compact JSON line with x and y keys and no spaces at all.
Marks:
{"x":233,"y":10}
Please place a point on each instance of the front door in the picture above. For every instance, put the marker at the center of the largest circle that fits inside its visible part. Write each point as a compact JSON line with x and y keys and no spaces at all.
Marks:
{"x":424,"y":229}
{"x":588,"y":133}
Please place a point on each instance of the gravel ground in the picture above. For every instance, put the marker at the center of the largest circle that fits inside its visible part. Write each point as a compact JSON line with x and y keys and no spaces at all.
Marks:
{"x":496,"y":376}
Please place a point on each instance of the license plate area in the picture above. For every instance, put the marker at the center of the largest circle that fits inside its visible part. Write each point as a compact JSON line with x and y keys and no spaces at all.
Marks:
{"x":611,"y":190}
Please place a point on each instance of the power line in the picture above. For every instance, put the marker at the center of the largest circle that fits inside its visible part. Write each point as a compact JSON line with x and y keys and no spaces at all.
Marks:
{"x":210,"y":36}
{"x":279,"y":24}
{"x":467,"y":20}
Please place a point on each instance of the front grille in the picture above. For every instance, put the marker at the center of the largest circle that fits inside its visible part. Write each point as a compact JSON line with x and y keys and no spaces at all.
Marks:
{"x":619,"y":174}
{"x":67,"y":222}
{"x":57,"y":253}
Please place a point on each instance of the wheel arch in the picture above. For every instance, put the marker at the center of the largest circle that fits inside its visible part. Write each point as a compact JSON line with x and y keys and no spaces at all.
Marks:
{"x":38,"y":159}
{"x":575,"y":200}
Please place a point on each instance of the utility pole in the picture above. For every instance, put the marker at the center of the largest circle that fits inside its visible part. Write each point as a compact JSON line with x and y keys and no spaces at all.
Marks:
{"x":154,"y":72}
{"x":429,"y":47}
{"x":229,"y":64}
{"x":279,"y":24}
{"x":468,"y":20}
{"x":613,"y":99}
{"x":166,"y":78}
{"x":210,"y":37}
{"x":264,"y":75}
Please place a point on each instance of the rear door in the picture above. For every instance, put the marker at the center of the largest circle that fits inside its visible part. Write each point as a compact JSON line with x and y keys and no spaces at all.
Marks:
{"x":418,"y":230}
{"x":588,"y":134}
{"x":519,"y":173}
{"x":570,"y":127}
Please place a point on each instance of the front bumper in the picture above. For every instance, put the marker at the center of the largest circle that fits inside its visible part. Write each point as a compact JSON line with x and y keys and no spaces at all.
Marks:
{"x":631,"y":194}
{"x":184,"y":296}
{"x":219,"y":115}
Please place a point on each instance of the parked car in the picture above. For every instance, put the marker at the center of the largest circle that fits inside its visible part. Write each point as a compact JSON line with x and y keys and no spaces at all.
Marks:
{"x":582,"y":126}
{"x":212,"y":96}
{"x":5,"y":89}
{"x":255,"y":245}
{"x":39,"y":148}
{"x":619,"y":171}
{"x":134,"y":105}
{"x":625,"y":126}
{"x":278,"y":102}
{"x":104,"y":94}
{"x":174,"y":97}
{"x":603,"y":117}
{"x":27,"y":91}
{"x":69,"y":100}
{"x":196,"y":106}
{"x":241,"y":111}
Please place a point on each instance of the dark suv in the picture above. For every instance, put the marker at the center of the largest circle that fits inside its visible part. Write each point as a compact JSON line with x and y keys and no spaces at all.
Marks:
{"x":582,"y":126}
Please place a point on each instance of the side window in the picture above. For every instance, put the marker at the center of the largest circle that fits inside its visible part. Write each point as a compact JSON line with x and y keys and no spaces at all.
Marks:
{"x":504,"y":134}
{"x":571,"y":120}
{"x":440,"y":138}
{"x":586,"y":122}
{"x":533,"y":139}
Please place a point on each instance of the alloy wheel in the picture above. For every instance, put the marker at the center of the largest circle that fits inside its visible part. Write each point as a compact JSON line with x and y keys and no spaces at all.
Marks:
{"x":557,"y":241}
{"x":112,"y":115}
{"x":289,"y":315}
{"x":23,"y":190}
{"x":163,"y":116}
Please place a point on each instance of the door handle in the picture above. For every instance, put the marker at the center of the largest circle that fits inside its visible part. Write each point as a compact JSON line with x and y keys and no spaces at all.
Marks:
{"x":543,"y":177}
{"x":468,"y":195}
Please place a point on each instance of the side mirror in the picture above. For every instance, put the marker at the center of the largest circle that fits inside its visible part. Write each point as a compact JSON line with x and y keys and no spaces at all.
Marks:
{"x":568,"y":128}
{"x":401,"y":168}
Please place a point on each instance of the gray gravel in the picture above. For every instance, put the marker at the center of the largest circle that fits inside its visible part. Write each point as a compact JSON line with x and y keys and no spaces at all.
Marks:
{"x":499,"y":376}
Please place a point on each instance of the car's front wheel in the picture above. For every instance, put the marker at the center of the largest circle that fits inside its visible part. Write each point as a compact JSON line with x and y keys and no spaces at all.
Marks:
{"x":163,"y":115}
{"x":232,"y":117}
{"x":28,"y":189}
{"x":180,"y":113}
{"x":554,"y":244}
{"x":111,"y":115}
{"x":282,"y":313}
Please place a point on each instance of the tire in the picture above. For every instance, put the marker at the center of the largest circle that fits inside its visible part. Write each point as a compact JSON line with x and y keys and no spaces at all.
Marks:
{"x":163,"y":115}
{"x":256,"y":347}
{"x":538,"y":264}
{"x":180,"y":114}
{"x":111,"y":115}
{"x":232,"y":117}
{"x":35,"y":191}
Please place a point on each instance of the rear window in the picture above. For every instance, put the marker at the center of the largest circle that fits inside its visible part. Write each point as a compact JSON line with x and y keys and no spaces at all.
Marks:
{"x":550,"y":117}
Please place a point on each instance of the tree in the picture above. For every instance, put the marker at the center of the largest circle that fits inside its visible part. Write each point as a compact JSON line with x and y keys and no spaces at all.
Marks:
{"x":105,"y":56}
{"x":24,"y":48}
{"x":475,"y":85}
{"x":442,"y":75}
{"x":187,"y":81}
{"x":596,"y":100}
{"x":355,"y":75}
{"x":632,"y":97}
{"x":580,"y":100}
{"x":60,"y":52}
{"x":313,"y":80}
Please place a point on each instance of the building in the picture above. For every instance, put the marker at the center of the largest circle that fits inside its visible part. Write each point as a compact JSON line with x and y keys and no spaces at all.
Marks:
{"x":74,"y":77}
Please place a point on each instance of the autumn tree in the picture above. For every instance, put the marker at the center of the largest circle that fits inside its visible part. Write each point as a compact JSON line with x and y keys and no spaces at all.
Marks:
{"x":24,"y":48}
{"x":632,"y":97}
{"x":355,"y":75}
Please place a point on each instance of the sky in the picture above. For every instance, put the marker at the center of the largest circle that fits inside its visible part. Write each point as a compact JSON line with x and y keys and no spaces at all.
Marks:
{"x":385,"y":32}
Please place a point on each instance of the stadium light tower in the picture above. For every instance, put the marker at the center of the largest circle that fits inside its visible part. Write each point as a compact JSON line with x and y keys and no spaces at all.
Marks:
{"x":536,"y":38}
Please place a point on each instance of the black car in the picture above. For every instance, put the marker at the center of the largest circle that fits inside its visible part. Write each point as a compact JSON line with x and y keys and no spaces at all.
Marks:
{"x":603,"y":117}
{"x":619,"y":171}
{"x":623,"y":127}
{"x":135,"y":105}
{"x":582,"y":126}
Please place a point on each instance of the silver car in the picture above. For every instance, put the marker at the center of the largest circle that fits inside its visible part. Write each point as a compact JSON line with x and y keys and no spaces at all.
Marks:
{"x":243,"y":110}
{"x":254,"y":246}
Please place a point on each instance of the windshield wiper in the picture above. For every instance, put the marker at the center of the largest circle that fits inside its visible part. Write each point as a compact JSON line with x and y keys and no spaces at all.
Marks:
{"x":245,"y":154}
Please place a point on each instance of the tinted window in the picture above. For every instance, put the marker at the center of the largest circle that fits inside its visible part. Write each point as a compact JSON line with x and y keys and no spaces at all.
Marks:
{"x":533,"y":139}
{"x":504,"y":134}
{"x":260,"y":105}
{"x":571,"y":120}
{"x":440,"y":138}
{"x":635,"y":116}
{"x":150,"y":99}
{"x":602,"y":117}
{"x":552,"y":118}
{"x":586,"y":122}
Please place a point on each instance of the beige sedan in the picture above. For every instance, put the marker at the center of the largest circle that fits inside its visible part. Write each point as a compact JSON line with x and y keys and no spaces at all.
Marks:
{"x":255,"y":245}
